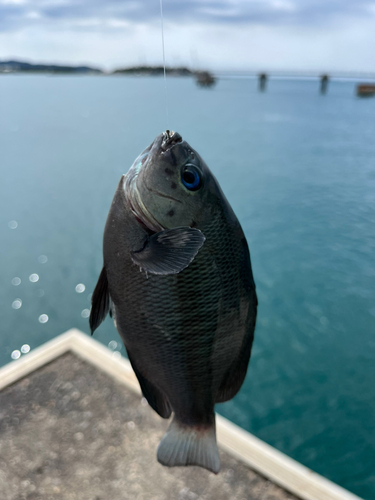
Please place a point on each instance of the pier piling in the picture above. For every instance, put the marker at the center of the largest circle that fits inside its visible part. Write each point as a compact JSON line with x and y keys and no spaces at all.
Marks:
{"x":324,"y":79}
{"x":263,"y":77}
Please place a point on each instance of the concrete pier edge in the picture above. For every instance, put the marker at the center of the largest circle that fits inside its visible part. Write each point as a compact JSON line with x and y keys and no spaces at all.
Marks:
{"x":258,"y":455}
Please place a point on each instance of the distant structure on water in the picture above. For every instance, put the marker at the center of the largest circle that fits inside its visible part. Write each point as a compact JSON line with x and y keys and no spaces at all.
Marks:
{"x":324,"y":79}
{"x":366,"y":90}
{"x":263,"y":77}
{"x":205,"y":79}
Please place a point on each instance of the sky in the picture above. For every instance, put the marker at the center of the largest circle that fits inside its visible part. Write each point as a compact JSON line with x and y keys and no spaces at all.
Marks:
{"x":253,"y":35}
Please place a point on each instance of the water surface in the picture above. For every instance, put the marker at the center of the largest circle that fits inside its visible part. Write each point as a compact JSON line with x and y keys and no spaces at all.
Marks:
{"x":299,"y":171}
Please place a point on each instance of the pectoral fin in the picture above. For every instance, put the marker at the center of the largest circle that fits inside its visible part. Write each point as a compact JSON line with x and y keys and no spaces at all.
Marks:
{"x":169,"y":251}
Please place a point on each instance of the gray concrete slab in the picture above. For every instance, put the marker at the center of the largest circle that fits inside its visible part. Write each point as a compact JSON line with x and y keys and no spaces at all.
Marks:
{"x":70,"y":432}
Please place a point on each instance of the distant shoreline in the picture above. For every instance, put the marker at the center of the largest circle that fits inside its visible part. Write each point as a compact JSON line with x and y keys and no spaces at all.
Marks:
{"x":20,"y":67}
{"x":24,"y":67}
{"x":154,"y":71}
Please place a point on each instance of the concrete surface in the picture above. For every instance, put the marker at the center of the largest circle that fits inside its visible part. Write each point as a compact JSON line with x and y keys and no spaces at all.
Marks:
{"x":70,"y":432}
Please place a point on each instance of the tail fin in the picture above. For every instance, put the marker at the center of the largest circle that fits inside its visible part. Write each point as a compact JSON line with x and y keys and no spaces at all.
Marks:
{"x":185,"y":445}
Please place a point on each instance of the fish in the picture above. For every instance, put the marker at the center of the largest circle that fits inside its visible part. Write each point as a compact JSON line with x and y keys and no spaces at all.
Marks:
{"x":178,"y":282}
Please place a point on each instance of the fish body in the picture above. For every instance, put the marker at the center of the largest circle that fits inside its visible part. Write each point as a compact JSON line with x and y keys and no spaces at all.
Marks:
{"x":177,"y":276}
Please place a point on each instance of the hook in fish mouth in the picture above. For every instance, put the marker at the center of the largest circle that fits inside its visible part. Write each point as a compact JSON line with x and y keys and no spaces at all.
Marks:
{"x":170,"y":139}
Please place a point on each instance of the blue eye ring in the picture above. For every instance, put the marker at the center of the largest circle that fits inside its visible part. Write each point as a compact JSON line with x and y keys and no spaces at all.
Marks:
{"x":191,"y":178}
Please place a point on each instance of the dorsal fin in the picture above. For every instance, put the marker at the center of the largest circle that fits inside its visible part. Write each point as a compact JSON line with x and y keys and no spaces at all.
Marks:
{"x":100,"y":302}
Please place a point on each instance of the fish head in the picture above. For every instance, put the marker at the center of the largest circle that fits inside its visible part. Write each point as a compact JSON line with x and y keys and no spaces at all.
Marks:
{"x":169,"y":184}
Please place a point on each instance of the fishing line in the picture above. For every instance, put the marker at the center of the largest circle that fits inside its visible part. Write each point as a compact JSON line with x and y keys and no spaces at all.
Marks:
{"x":165,"y":74}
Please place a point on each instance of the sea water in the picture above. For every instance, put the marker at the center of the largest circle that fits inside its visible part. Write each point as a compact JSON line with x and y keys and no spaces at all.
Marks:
{"x":298,"y":168}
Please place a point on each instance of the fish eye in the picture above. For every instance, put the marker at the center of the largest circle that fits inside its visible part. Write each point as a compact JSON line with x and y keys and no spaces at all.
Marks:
{"x":191,"y":178}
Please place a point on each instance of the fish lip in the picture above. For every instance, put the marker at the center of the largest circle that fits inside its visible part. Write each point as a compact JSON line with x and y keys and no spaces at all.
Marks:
{"x":170,"y":139}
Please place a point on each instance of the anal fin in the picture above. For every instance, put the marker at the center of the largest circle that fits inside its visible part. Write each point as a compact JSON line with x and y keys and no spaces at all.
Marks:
{"x":156,"y":399}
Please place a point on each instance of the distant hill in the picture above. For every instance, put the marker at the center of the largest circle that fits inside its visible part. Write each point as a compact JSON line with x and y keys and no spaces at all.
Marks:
{"x":153,"y":71}
{"x":22,"y":67}
{"x":203,"y":77}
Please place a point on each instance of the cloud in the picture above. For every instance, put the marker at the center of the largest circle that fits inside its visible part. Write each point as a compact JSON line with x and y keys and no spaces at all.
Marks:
{"x":321,"y":35}
{"x":17,"y":14}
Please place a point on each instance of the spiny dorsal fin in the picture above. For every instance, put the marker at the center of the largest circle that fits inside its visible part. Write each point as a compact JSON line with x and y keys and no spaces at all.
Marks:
{"x":100,"y":302}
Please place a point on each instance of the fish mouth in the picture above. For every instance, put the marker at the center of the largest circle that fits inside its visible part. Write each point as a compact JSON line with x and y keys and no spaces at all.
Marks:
{"x":169,"y":140}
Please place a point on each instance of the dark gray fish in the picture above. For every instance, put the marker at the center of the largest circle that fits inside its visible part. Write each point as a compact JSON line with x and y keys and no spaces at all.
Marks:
{"x":177,"y":278}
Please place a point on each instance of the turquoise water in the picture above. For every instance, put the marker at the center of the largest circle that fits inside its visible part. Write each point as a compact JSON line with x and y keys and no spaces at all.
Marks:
{"x":299,"y":171}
